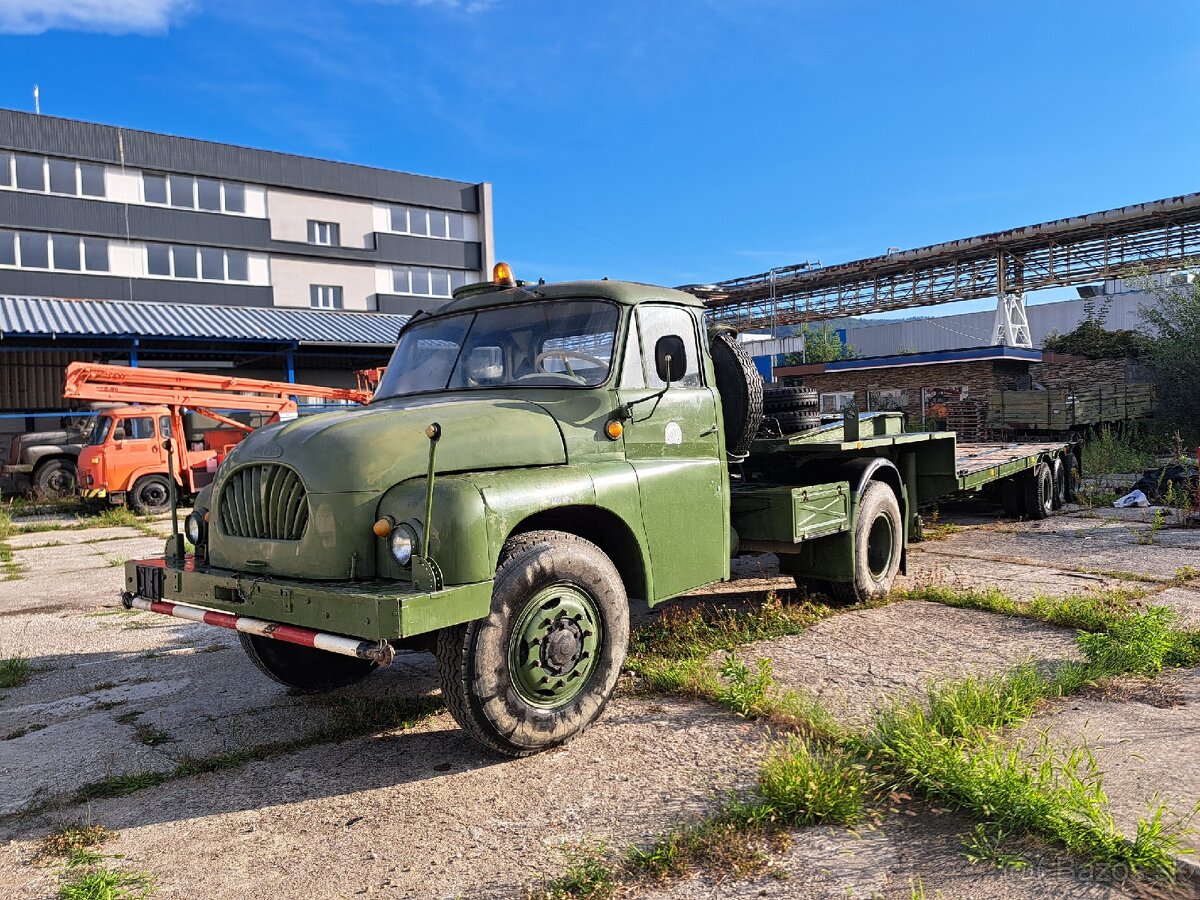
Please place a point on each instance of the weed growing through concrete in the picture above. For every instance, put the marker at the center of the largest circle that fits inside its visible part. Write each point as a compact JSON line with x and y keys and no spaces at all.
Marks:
{"x":14,"y":671}
{"x":72,"y":837}
{"x":151,"y":736}
{"x":21,"y":732}
{"x":86,"y":878}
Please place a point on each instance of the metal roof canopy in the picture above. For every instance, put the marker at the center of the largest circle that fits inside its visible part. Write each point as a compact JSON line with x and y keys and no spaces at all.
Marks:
{"x":1161,"y":234}
{"x":53,"y":317}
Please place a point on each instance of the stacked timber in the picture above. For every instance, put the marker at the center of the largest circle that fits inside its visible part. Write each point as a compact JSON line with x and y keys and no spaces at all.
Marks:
{"x":968,"y":419}
{"x":1064,"y":410}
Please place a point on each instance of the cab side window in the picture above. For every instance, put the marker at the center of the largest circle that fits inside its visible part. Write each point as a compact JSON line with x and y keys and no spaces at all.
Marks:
{"x":658,"y":321}
{"x":631,"y":364}
{"x":134,"y":428}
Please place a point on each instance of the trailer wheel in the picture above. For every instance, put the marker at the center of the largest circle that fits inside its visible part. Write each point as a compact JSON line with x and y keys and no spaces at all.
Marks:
{"x":1058,"y":474}
{"x":304,"y":669}
{"x":741,"y":389}
{"x":878,"y":543}
{"x":1071,"y":477}
{"x":55,"y":479}
{"x":541,"y":667}
{"x":1038,"y":492}
{"x":151,"y":495}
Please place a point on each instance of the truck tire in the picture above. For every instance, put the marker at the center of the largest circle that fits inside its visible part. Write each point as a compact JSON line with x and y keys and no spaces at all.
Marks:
{"x":741,"y":389}
{"x":55,"y":479}
{"x":1058,"y":474}
{"x":151,"y":495}
{"x":1037,"y":491}
{"x":790,"y":422}
{"x":782,"y":398}
{"x":541,"y":666}
{"x":303,"y":669}
{"x":1071,"y":478}
{"x":878,"y":544}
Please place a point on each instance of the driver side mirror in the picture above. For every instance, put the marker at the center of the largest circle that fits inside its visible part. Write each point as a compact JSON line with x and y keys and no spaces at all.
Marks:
{"x":670,"y":358}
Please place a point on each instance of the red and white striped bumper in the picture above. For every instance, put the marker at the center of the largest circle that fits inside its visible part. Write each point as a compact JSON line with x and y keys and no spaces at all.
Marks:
{"x":380,"y":652}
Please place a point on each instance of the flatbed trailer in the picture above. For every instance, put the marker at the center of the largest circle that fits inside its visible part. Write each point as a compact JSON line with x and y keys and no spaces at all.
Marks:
{"x":800,"y":495}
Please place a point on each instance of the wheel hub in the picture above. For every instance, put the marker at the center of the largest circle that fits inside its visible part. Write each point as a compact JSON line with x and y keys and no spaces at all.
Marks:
{"x":554,"y":646}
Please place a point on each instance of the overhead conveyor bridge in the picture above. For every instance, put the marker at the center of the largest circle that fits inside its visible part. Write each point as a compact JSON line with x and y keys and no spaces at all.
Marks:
{"x":1154,"y":236}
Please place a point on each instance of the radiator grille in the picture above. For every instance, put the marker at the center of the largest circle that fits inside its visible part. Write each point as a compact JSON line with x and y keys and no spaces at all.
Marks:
{"x":265,"y":501}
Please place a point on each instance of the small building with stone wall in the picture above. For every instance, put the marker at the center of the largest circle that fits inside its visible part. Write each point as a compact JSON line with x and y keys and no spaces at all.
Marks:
{"x":927,"y":385}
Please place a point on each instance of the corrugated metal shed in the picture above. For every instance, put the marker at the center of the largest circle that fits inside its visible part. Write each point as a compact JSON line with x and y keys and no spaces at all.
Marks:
{"x":51,"y":317}
{"x":974,"y":329}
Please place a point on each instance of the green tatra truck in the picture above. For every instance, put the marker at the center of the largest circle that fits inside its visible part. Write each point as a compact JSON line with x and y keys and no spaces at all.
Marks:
{"x":534,"y":457}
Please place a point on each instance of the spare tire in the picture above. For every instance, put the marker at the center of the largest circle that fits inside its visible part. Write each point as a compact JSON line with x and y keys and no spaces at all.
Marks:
{"x":777,"y":398}
{"x":792,"y":422}
{"x":741,"y":389}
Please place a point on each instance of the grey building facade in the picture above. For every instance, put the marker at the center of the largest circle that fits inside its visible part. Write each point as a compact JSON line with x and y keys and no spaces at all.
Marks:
{"x":100,"y":212}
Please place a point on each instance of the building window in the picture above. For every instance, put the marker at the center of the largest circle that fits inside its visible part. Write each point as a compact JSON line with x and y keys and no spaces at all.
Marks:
{"x":91,"y":180}
{"x":327,"y":234}
{"x":206,"y":263}
{"x":186,"y":192}
{"x":428,"y":222}
{"x":325,"y":296}
{"x":154,"y":188}
{"x":836,"y":401}
{"x":31,"y":173}
{"x":423,"y":282}
{"x":47,"y":174}
{"x":61,"y":252}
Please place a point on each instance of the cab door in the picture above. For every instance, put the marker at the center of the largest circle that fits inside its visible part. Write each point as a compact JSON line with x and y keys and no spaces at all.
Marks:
{"x":136,"y":448}
{"x":674,"y":446}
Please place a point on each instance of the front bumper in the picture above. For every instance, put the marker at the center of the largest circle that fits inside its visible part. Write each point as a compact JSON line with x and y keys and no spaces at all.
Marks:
{"x":369,"y":610}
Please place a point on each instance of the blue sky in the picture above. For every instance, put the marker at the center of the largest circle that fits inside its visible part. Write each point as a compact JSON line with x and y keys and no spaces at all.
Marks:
{"x":664,"y":141}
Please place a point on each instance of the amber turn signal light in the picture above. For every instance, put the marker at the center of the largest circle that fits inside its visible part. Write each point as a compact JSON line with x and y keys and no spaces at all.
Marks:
{"x":613,"y":429}
{"x":502,"y":274}
{"x":383,"y":527}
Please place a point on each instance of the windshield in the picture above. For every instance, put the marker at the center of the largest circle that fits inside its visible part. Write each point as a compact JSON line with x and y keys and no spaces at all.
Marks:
{"x":562,"y":343}
{"x":100,"y":432}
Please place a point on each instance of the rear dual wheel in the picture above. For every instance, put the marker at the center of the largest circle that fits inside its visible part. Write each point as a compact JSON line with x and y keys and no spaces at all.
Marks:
{"x":878,"y":545}
{"x":541,"y":667}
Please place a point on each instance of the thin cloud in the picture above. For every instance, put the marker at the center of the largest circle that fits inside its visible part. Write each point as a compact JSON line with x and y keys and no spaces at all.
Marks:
{"x":105,"y":16}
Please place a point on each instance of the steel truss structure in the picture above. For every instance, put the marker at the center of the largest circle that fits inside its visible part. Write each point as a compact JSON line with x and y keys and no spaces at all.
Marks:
{"x":1162,"y":234}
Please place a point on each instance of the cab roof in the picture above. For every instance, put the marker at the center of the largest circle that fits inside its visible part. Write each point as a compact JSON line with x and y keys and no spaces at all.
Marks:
{"x":627,"y":293}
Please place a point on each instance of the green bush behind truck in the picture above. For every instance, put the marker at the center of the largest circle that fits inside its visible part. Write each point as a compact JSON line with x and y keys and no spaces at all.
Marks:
{"x":536,"y":456}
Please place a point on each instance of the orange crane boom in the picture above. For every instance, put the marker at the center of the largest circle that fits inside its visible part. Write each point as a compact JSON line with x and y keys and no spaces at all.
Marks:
{"x":125,"y":384}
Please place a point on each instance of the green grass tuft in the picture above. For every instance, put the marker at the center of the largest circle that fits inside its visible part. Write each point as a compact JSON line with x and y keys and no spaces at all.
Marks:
{"x":98,"y":883}
{"x":14,"y":671}
{"x":800,"y":785}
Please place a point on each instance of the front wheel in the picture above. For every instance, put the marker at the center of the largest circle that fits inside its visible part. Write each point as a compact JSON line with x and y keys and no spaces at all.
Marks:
{"x":151,"y":495}
{"x":306,"y":670}
{"x":541,"y":667}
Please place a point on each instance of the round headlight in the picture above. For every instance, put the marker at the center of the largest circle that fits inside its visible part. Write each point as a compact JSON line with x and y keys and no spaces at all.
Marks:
{"x":403,"y":542}
{"x":193,"y":528}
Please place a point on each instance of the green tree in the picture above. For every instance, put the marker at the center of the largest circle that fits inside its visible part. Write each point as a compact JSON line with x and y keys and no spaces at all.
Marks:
{"x":1174,"y":353}
{"x":1091,"y":339}
{"x":820,"y":345}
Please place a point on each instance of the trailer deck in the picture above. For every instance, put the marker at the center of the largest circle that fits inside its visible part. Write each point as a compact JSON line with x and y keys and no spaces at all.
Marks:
{"x":980,"y":464}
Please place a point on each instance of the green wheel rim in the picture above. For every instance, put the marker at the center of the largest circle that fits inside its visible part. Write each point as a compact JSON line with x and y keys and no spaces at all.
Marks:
{"x":879,"y":547}
{"x":554,"y":646}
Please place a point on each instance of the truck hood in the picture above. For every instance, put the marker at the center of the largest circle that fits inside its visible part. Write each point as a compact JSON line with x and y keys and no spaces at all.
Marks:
{"x":375,"y":447}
